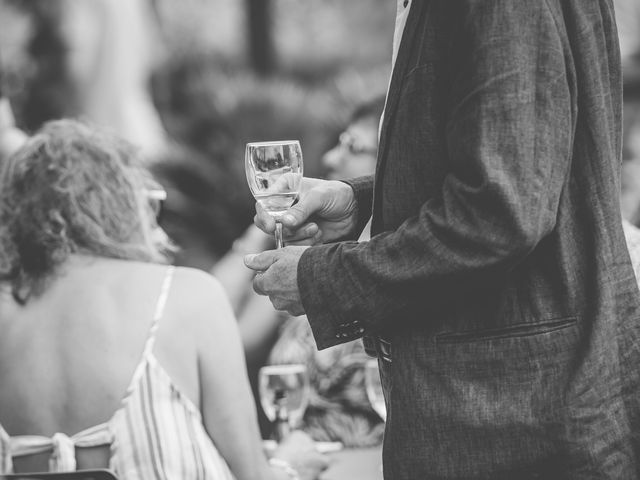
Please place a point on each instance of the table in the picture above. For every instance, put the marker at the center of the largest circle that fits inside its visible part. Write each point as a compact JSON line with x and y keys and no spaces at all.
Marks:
{"x":355,"y":464}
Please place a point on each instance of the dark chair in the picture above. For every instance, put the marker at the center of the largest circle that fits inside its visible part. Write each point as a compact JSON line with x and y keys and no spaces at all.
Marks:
{"x":97,"y":474}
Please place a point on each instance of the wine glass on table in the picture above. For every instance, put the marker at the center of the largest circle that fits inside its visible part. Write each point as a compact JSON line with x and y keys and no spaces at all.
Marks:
{"x":284,"y":387}
{"x":373,"y":386}
{"x":274,"y":174}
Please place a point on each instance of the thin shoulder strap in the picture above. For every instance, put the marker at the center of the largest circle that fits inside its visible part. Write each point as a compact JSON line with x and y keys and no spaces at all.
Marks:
{"x":148,"y":346}
{"x":161,"y":303}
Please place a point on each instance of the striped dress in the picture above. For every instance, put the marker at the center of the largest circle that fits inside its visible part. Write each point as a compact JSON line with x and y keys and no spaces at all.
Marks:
{"x":157,"y":433}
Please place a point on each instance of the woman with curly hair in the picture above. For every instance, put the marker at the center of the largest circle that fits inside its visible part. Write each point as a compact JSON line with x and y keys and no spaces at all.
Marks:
{"x":108,"y":356}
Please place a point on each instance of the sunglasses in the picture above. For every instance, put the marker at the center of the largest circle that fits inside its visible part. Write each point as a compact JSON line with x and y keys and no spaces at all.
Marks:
{"x":156,"y":197}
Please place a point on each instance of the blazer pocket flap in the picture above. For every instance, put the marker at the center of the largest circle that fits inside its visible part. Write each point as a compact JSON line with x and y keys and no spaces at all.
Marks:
{"x":511,"y":331}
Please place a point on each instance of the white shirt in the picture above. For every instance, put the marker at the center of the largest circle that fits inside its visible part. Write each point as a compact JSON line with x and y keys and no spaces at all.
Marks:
{"x":402,"y":12}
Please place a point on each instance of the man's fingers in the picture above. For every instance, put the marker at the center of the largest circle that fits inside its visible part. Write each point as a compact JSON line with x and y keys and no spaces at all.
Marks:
{"x":304,"y":232}
{"x":316,"y":239}
{"x":259,"y":285}
{"x":277,"y":303}
{"x":261,"y":261}
{"x":263,"y":220}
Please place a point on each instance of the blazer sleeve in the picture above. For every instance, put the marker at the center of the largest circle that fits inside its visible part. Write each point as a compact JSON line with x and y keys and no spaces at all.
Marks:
{"x":363,"y":192}
{"x":509,"y":143}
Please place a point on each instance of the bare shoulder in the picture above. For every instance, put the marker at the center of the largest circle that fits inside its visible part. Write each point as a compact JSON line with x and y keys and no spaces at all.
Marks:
{"x":201,"y":300}
{"x":197,"y":283}
{"x":197,"y":318}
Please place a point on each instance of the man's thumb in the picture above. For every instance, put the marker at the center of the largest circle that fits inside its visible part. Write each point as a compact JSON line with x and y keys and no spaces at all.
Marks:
{"x":261,"y":261}
{"x":299,"y":214}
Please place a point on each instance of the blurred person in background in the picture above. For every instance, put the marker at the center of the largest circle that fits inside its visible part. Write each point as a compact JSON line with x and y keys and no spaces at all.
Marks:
{"x":112,"y":49}
{"x":338,"y":409}
{"x":355,"y":153}
{"x":496,"y":289}
{"x":92,"y":59}
{"x":109,"y":357}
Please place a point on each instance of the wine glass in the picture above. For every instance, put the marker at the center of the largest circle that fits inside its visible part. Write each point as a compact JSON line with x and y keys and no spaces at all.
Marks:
{"x":373,"y":385}
{"x":274,"y":173}
{"x":290,"y":380}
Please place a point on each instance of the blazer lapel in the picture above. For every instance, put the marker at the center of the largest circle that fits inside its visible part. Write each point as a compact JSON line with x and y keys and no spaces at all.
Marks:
{"x":397,"y":77}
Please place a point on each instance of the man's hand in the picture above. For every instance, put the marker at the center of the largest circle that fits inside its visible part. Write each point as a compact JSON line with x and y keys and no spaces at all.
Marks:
{"x":300,"y":451}
{"x":277,"y":277}
{"x":325,"y":212}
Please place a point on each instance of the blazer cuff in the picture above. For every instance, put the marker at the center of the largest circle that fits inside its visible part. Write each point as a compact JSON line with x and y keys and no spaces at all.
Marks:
{"x":321,"y":302}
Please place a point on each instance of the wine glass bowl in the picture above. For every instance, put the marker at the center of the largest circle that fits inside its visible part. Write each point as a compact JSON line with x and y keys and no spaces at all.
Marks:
{"x":292,"y":380}
{"x":274,"y":172}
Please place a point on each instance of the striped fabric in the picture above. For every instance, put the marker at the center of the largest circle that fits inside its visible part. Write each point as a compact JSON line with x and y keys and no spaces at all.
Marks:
{"x":156,"y":434}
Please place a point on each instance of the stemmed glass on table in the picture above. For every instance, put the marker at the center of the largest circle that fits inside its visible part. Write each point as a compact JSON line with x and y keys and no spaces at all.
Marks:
{"x":289,"y":381}
{"x":274,"y":174}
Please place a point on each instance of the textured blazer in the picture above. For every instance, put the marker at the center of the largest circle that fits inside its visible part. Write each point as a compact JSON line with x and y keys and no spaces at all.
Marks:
{"x":497,"y":267}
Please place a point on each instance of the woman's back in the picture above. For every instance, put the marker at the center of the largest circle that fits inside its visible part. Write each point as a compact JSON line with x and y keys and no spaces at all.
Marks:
{"x":73,"y":350}
{"x":107,"y":356}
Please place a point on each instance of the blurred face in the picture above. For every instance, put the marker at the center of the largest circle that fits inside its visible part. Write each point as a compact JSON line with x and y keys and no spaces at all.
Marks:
{"x":355,"y":153}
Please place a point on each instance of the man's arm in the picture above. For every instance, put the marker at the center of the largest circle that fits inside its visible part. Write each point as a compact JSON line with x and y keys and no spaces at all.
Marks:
{"x":509,"y":140}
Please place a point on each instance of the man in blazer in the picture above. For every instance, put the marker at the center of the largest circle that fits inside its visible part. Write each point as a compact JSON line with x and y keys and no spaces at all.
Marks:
{"x":496,"y":289}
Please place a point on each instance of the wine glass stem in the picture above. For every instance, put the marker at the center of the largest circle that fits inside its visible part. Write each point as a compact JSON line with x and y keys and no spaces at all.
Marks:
{"x":279,"y":243}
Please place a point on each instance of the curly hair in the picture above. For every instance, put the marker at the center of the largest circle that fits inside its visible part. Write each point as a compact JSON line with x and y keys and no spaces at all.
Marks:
{"x":73,"y":189}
